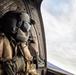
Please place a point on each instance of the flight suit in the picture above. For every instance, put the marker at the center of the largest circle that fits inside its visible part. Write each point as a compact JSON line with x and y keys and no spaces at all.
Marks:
{"x":6,"y":52}
{"x":5,"y":48}
{"x":15,"y":24}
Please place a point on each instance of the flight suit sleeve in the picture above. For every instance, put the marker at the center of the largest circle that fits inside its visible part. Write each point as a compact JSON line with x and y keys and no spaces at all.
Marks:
{"x":26,"y":52}
{"x":7,"y":50}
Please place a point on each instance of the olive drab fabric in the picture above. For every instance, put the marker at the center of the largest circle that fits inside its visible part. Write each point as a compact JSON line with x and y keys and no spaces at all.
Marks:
{"x":17,"y":63}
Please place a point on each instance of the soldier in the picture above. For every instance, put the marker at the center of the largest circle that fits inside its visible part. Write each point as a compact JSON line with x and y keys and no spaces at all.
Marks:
{"x":14,"y":53}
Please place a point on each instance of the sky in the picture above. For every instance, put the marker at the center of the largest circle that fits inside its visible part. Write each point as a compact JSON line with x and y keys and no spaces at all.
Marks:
{"x":59,"y":18}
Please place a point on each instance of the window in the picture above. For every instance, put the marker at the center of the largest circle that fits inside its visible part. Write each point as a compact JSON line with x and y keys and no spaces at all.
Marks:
{"x":59,"y":17}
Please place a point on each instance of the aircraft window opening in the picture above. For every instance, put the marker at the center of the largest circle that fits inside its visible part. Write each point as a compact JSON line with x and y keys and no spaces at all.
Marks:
{"x":59,"y":20}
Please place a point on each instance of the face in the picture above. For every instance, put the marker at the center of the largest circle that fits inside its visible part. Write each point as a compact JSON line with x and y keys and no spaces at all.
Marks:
{"x":10,"y":25}
{"x":15,"y":21}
